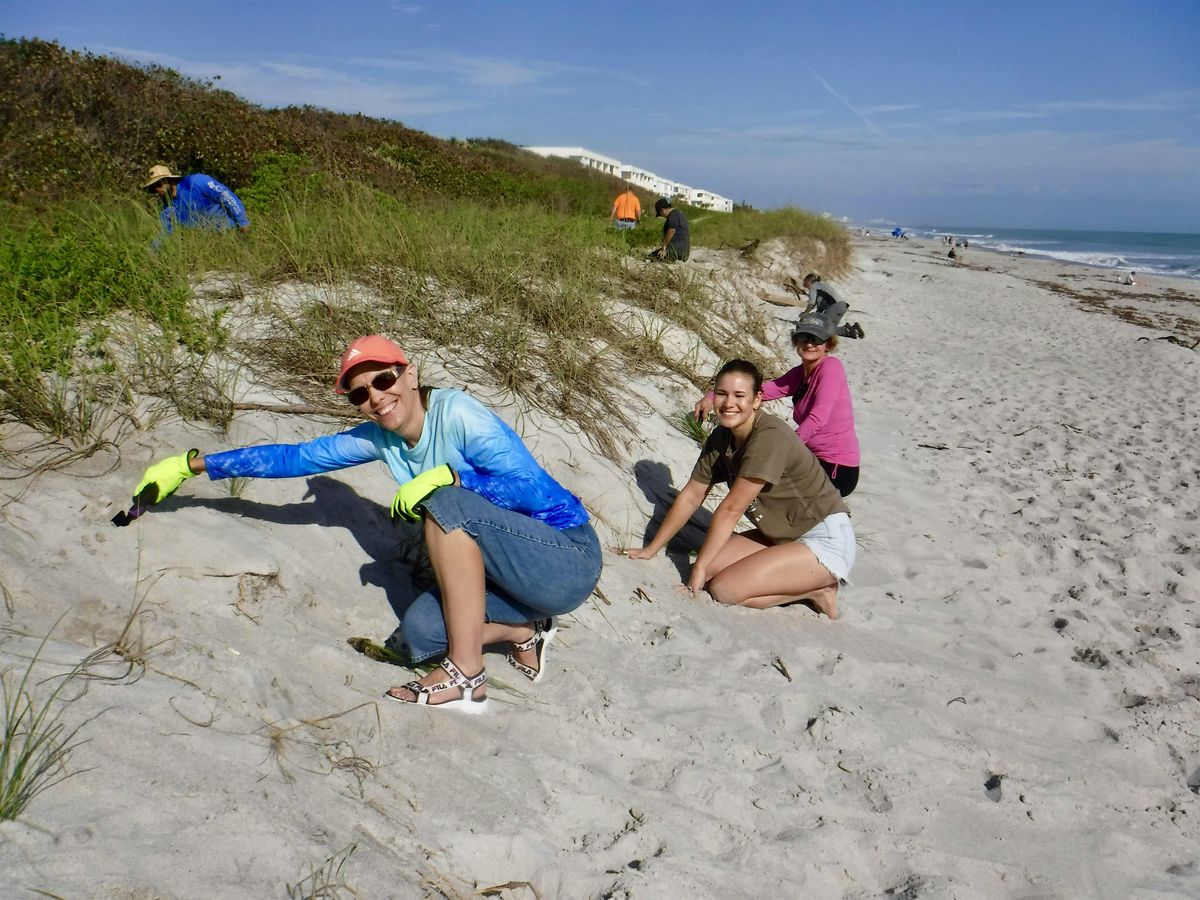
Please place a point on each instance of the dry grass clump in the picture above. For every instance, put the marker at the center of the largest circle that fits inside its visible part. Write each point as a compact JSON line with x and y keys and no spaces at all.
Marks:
{"x":326,"y":881}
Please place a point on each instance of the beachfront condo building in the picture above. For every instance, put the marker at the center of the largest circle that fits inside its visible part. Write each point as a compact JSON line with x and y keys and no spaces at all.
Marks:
{"x":638,"y":177}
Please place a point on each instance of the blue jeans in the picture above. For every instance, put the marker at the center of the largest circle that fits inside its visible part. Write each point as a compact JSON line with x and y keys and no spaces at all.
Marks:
{"x":532,"y":570}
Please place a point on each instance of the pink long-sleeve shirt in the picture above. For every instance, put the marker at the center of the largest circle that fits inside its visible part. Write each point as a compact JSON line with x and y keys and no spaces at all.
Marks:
{"x":824,"y":415}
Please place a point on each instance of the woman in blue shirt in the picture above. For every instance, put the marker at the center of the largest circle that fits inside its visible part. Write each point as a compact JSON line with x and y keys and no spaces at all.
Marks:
{"x":509,"y":546}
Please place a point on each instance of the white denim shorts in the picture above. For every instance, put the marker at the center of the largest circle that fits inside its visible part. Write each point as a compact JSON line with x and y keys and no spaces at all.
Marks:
{"x":832,"y":542}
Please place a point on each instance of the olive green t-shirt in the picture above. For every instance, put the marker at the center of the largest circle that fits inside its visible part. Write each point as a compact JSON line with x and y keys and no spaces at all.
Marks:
{"x":797,"y":494}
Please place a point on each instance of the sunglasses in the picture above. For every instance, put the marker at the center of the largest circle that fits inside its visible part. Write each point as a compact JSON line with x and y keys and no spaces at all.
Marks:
{"x":807,"y":339}
{"x":381,"y":382}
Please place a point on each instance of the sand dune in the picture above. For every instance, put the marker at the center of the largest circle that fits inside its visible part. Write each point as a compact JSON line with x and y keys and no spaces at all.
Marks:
{"x":1008,"y":706}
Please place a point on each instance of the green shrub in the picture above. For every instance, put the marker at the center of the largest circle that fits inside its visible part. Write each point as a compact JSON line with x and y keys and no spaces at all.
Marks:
{"x":277,"y":175}
{"x":62,"y":269}
{"x":501,"y":257}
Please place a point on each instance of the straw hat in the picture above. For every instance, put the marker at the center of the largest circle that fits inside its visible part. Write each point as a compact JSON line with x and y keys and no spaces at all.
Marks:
{"x":161,"y":173}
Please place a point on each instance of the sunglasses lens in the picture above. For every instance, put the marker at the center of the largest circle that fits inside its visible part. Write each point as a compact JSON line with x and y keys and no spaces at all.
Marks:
{"x":380,"y":382}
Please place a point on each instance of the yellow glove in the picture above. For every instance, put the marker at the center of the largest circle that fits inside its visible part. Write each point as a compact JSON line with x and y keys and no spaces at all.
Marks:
{"x":407,"y":502}
{"x":162,"y":479}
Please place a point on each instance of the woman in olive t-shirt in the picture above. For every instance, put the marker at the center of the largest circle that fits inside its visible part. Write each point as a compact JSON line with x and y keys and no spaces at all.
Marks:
{"x":802,"y":546}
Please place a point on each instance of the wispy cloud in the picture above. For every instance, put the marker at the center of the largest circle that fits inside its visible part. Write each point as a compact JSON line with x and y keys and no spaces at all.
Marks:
{"x":304,"y":73}
{"x":288,"y":83}
{"x":477,"y":70}
{"x":490,"y":71}
{"x":1174,"y":101}
{"x":953,"y":117}
{"x":857,"y":112}
{"x":770,"y":134}
{"x":892,"y":108}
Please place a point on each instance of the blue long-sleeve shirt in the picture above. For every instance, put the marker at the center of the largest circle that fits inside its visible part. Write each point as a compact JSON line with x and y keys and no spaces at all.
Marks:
{"x":489,"y":457}
{"x":203,"y":202}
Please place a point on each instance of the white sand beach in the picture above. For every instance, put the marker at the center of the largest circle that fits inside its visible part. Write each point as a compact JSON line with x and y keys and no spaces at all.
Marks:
{"x":1008,"y":707}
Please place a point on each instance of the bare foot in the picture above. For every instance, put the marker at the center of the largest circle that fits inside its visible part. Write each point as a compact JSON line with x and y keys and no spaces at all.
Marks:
{"x":825,"y":601}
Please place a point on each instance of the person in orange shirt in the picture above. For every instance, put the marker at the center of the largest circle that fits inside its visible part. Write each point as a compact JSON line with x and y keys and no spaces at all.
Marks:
{"x":626,"y":210}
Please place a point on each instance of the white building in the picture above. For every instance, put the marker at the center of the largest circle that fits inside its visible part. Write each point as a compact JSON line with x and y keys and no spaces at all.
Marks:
{"x":597,"y":161}
{"x":638,"y":177}
{"x":709,"y":200}
{"x":644,"y":179}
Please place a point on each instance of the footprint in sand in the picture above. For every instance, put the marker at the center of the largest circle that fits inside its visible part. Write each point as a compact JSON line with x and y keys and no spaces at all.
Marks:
{"x":1090,"y":656}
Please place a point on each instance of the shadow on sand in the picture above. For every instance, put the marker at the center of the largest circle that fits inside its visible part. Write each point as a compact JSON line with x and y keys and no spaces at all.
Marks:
{"x":396,"y":550}
{"x":654,"y":480}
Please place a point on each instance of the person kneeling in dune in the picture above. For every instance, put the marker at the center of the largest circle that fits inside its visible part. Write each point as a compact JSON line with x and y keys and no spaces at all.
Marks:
{"x":509,"y":546}
{"x":802,"y":546}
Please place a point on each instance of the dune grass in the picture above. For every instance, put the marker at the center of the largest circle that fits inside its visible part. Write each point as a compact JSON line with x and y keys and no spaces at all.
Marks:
{"x":686,"y":423}
{"x":326,"y":881}
{"x":813,"y":236}
{"x":519,"y":296}
{"x":35,"y":743}
{"x":497,"y":259}
{"x":514,"y":295}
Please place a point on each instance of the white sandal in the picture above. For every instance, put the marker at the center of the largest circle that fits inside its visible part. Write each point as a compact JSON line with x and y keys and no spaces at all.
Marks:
{"x":544,"y":631}
{"x":467,"y":703}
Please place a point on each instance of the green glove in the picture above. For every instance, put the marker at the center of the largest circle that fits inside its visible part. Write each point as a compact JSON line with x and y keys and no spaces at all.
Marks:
{"x":162,"y":479}
{"x":407,"y":502}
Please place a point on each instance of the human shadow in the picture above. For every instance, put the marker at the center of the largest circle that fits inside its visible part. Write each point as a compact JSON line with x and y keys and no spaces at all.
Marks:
{"x":654,"y":480}
{"x":395,"y":550}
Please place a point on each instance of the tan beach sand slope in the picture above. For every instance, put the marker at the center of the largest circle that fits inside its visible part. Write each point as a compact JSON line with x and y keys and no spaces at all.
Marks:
{"x":1008,"y":707}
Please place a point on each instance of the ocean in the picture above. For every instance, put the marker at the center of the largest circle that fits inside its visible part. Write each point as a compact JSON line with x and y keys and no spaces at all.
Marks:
{"x":1176,"y":255}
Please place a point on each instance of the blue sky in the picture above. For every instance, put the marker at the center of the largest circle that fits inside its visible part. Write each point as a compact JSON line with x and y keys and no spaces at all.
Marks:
{"x":1058,"y":113}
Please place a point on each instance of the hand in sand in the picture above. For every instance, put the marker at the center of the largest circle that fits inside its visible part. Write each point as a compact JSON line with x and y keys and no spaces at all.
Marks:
{"x":633,"y":552}
{"x":702,"y":408}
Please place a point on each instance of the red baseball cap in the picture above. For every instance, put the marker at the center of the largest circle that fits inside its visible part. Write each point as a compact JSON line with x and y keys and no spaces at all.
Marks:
{"x":372,"y":348}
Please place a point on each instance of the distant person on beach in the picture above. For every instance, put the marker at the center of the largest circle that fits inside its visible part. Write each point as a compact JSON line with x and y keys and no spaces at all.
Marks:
{"x":821,"y":404}
{"x":195,"y":201}
{"x":824,"y":300}
{"x":676,"y":242}
{"x":1129,"y":279}
{"x":626,"y":210}
{"x":802,"y":545}
{"x":510,"y":547}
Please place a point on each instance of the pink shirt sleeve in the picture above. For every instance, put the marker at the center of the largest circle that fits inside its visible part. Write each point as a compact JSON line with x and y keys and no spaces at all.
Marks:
{"x":785,"y":385}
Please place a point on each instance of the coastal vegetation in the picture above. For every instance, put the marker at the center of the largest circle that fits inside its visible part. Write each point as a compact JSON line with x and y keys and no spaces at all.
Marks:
{"x":35,"y":742}
{"x":497,"y":256}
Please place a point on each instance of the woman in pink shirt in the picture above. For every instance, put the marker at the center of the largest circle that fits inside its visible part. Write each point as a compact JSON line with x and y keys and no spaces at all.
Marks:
{"x":821,"y":404}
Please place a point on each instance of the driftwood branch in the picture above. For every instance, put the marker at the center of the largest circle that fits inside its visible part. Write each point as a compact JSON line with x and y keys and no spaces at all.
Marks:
{"x":1174,"y":339}
{"x":299,"y":409}
{"x":796,"y":288}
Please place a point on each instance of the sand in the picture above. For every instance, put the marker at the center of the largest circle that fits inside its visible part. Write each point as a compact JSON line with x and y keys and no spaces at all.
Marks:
{"x":1009,"y":705}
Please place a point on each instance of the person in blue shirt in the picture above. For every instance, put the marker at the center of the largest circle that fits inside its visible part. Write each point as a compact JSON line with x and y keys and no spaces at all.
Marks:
{"x":509,"y":546}
{"x":195,"y":201}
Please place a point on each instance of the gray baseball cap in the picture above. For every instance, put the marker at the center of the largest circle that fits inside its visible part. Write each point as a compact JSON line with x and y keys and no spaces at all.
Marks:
{"x":815,"y":324}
